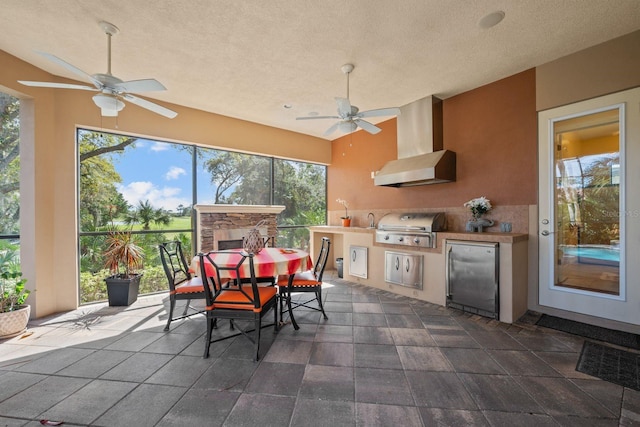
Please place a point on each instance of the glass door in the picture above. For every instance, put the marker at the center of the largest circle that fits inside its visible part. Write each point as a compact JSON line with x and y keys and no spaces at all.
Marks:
{"x":582,"y":206}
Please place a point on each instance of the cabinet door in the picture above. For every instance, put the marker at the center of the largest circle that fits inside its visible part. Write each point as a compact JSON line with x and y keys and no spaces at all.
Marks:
{"x":393,"y":267}
{"x":412,"y":271}
{"x":358,"y":261}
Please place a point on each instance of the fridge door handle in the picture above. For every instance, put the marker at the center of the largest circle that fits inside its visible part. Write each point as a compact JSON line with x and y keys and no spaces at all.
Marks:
{"x":447,"y":271}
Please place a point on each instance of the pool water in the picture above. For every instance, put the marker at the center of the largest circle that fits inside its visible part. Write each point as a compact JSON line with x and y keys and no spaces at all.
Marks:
{"x":602,"y":253}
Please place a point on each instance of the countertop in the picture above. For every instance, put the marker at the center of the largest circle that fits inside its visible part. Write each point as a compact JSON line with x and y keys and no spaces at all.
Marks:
{"x":483,"y":237}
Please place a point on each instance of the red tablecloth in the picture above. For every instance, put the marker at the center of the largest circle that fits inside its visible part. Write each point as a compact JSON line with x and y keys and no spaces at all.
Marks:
{"x":269,"y":262}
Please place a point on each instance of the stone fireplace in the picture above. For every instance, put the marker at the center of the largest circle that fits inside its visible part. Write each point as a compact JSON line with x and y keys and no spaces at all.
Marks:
{"x":223,"y":226}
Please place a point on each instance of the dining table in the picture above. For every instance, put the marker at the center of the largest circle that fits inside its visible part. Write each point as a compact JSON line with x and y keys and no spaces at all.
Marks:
{"x":269,"y":262}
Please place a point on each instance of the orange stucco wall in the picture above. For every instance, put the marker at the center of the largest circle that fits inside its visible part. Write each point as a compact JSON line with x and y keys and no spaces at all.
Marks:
{"x":492,"y":129}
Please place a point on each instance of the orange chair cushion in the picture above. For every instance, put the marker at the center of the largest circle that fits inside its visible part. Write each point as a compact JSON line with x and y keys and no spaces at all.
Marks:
{"x":231,"y":299}
{"x":189,"y":286}
{"x":306,"y":278}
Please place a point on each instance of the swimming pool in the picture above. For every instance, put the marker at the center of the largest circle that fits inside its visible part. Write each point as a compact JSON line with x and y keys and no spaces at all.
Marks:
{"x":594,"y":254}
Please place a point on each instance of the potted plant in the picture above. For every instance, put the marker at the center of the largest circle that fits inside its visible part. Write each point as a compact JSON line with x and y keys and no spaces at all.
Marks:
{"x":14,"y":313}
{"x":122,"y":257}
{"x":346,"y":219}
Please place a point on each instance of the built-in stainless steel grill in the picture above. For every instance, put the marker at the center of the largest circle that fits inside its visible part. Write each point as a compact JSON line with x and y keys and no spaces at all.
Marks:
{"x":410,"y":229}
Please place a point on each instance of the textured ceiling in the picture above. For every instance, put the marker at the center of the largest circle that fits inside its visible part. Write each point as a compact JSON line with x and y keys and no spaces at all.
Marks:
{"x":246,"y":59}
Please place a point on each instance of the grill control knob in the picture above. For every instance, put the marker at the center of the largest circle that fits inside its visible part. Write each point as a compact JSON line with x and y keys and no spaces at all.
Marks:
{"x":386,"y":237}
{"x":416,"y":240}
{"x":400,"y":239}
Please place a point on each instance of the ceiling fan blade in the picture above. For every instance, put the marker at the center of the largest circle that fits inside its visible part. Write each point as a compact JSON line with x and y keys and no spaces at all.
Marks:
{"x":137,"y":86}
{"x":150,"y":106}
{"x":380,"y":112}
{"x":317,"y":117}
{"x":57,"y":85}
{"x":344,"y":107}
{"x":332,"y":129}
{"x":373,"y":129}
{"x":72,"y":68}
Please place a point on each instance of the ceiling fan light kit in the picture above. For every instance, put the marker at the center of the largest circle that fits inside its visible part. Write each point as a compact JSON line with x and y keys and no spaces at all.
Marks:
{"x":112,"y":89}
{"x":349,"y":116}
{"x":109,"y":105}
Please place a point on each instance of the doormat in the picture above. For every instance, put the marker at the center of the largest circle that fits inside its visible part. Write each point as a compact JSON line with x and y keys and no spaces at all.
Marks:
{"x":610,"y":364}
{"x":621,"y":338}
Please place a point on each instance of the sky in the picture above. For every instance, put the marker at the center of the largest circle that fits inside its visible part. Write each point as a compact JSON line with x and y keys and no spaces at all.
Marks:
{"x":161,"y":173}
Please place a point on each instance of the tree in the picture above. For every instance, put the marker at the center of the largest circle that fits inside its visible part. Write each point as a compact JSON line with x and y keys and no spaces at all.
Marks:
{"x":9,"y":164}
{"x":145,"y":214}
{"x":229,"y":170}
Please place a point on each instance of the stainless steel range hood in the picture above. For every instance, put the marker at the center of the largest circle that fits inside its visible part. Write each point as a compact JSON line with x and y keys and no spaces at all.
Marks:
{"x":421,"y":157}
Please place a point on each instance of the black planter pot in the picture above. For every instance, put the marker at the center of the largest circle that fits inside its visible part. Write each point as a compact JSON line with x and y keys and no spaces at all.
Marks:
{"x":123,"y":290}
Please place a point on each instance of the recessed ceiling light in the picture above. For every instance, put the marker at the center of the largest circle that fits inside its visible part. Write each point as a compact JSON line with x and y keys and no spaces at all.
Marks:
{"x":491,"y":20}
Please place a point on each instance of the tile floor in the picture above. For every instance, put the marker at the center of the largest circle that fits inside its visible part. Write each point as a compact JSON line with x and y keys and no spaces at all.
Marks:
{"x":380,"y":359}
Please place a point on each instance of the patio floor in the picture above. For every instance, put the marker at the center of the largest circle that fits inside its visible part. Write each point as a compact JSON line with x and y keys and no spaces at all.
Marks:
{"x":380,"y":359}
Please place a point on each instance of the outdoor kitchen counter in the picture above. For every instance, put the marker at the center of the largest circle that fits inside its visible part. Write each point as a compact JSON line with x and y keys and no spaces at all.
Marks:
{"x":513,"y":264}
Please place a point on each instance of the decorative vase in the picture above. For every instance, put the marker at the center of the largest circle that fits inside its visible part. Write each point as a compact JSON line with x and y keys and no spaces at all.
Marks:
{"x":346,"y":222}
{"x":253,"y":242}
{"x":13,"y":323}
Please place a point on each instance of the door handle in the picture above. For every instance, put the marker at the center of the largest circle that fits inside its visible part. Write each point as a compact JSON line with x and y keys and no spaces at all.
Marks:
{"x":545,"y":232}
{"x":407,"y":265}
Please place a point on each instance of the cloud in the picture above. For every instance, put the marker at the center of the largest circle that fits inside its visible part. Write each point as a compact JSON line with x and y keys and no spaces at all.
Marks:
{"x":168,"y":198}
{"x":174,"y":173}
{"x":159,"y":146}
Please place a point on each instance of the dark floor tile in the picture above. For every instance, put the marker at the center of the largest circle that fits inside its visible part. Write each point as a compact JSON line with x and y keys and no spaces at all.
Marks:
{"x":496,"y":340}
{"x":369,"y":414}
{"x":499,"y":393}
{"x":90,"y":402}
{"x":335,"y":306}
{"x":334,"y":333}
{"x":369,"y":319}
{"x":171,"y":343}
{"x":14,"y":382}
{"x":332,"y":353}
{"x":472,"y":360}
{"x":452,"y":417}
{"x":520,"y":419}
{"x":328,"y":383}
{"x":440,"y":390}
{"x":227,"y":375}
{"x":572,"y":421}
{"x":436,"y":321}
{"x":415,"y":358}
{"x":41,"y":396}
{"x":259,"y":409}
{"x":137,"y":368}
{"x":561,"y":397}
{"x":289,"y":351}
{"x":372,"y":335}
{"x":608,"y":394}
{"x":96,"y":364}
{"x":338,"y":318}
{"x":283,"y":379}
{"x":564,"y":363}
{"x":144,"y":406}
{"x":383,"y":386}
{"x":134,"y":341}
{"x":365,"y":298}
{"x":453,"y":338}
{"x":181,"y":371}
{"x":55,"y":361}
{"x":377,"y":356}
{"x":404,"y":321}
{"x":330,"y":297}
{"x":367,"y":307}
{"x":322,"y":413}
{"x":397,"y":308}
{"x":517,"y":362}
{"x":409,"y":336}
{"x":542,"y":342}
{"x":199,"y":408}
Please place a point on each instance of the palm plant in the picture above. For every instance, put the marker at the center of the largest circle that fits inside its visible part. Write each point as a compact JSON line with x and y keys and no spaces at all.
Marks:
{"x":145,"y":214}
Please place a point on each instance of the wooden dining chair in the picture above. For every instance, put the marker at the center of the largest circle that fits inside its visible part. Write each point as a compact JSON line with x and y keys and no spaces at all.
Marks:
{"x":240,"y":301}
{"x":307,"y":281}
{"x":182,"y":284}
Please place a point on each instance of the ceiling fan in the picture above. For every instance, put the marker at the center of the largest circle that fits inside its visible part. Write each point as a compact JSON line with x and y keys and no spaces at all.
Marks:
{"x":350,"y":117}
{"x":112,"y":89}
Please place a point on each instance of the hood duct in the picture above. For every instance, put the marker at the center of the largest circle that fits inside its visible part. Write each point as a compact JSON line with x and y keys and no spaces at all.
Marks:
{"x":421,"y":157}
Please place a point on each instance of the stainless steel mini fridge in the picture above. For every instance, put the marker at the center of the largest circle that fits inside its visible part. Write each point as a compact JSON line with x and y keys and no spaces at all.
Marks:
{"x":473,"y":277}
